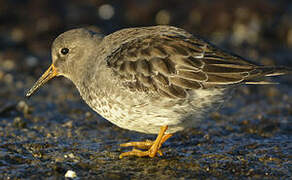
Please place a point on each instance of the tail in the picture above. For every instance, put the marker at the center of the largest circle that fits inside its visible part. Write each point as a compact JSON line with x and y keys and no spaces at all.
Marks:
{"x":266,"y":71}
{"x":275,"y":71}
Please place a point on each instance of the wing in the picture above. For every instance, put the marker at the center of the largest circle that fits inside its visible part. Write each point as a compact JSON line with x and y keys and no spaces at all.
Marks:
{"x":172,"y":64}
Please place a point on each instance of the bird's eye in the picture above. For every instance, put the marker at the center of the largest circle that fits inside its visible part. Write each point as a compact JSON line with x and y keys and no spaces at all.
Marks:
{"x":64,"y":51}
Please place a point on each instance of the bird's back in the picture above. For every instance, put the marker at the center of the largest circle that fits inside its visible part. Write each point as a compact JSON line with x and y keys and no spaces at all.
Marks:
{"x":169,"y":61}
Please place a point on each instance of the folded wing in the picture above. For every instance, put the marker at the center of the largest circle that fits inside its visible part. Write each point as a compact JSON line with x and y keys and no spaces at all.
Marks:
{"x":172,"y":64}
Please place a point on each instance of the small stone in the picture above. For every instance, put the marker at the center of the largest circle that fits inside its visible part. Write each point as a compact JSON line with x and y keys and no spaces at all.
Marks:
{"x":162,"y":17}
{"x":8,"y":65}
{"x":71,"y":155}
{"x":19,"y":122}
{"x":207,"y":137}
{"x":70,"y":174}
{"x":8,"y":78}
{"x":106,"y":11}
{"x":23,"y":107}
{"x":59,"y":159}
{"x":88,"y":114}
{"x":17,"y":34}
{"x":68,"y":124}
{"x":31,"y":61}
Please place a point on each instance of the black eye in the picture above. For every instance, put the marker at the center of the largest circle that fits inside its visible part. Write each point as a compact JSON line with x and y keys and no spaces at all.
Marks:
{"x":64,"y":51}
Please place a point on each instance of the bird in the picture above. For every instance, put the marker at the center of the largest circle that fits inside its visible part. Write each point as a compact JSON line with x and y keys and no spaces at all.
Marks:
{"x":154,"y":80}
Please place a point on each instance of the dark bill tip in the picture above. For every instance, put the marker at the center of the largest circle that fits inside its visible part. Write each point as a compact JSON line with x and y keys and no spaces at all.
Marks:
{"x":49,"y":74}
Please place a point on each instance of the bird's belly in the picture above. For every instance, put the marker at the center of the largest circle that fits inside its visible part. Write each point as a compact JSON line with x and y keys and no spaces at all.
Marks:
{"x":144,"y":115}
{"x":145,"y":118}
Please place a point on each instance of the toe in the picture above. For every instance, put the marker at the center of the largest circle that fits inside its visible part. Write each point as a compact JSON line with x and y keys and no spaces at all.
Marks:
{"x":134,"y":152}
{"x":142,"y":145}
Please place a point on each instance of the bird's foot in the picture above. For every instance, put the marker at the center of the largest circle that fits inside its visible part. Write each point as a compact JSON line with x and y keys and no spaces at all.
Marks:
{"x":152,"y":146}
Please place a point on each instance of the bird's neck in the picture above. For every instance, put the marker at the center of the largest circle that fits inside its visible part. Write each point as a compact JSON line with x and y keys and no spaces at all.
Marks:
{"x":93,"y":78}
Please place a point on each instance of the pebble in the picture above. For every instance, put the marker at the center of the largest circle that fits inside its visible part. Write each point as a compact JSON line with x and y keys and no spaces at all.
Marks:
{"x":162,"y":17}
{"x":17,"y":34}
{"x":71,"y":155}
{"x":71,"y":174}
{"x":8,"y":78}
{"x":106,"y":11}
{"x":23,"y":107}
{"x":19,"y":122}
{"x":8,"y":65}
{"x":31,"y":61}
{"x":68,"y":124}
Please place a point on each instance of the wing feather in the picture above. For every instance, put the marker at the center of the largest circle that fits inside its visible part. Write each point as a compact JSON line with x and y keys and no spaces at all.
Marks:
{"x":171,"y":64}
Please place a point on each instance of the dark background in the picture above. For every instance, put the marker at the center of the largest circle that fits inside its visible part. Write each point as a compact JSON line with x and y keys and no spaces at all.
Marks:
{"x":55,"y":131}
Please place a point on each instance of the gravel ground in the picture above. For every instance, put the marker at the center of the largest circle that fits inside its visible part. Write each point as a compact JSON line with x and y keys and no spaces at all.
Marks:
{"x":54,"y":134}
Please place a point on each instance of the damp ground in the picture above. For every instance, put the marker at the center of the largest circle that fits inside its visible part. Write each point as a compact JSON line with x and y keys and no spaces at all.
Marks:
{"x":55,"y":132}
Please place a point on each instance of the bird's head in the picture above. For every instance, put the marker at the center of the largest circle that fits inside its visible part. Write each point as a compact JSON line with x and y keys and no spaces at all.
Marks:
{"x":70,"y":51}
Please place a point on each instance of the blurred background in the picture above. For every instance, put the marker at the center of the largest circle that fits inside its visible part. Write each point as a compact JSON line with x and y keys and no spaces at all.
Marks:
{"x":55,"y":131}
{"x":260,"y":30}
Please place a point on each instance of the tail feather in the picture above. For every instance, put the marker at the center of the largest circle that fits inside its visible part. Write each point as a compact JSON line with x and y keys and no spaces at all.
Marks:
{"x":275,"y":71}
{"x":260,"y":82}
{"x":266,"y":71}
{"x":256,"y":76}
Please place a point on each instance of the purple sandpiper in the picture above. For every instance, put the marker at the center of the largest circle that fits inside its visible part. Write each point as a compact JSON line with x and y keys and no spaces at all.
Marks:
{"x":155,"y":80}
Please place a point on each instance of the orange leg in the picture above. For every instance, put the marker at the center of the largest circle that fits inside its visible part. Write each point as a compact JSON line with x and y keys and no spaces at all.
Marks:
{"x":152,"y":146}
